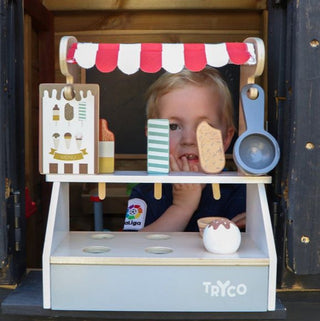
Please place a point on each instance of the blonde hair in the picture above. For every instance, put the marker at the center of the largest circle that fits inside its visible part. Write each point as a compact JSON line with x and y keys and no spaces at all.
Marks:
{"x":207,"y":77}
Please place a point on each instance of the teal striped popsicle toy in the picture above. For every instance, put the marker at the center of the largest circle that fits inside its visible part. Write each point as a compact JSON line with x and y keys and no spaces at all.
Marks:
{"x":158,"y":146}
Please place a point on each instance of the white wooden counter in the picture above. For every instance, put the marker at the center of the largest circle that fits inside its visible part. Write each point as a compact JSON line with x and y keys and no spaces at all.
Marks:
{"x":137,"y":248}
{"x":135,"y":271}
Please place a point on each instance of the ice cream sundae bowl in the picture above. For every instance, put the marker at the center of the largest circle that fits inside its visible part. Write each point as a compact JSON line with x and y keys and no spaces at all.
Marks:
{"x":203,"y":222}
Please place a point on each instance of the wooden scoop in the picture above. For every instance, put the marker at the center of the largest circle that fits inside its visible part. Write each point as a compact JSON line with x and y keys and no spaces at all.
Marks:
{"x":211,"y":152}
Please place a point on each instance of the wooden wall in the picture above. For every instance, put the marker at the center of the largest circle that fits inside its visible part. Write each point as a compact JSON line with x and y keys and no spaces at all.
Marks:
{"x":38,"y":68}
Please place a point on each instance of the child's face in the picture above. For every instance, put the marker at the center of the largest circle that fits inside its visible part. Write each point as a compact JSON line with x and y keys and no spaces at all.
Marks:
{"x":185,"y":108}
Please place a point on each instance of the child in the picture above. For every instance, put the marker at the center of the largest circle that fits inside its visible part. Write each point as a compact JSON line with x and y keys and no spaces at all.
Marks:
{"x":187,"y":98}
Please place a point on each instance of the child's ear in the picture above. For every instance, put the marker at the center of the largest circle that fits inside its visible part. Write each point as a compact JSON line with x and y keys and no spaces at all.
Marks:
{"x":228,"y":138}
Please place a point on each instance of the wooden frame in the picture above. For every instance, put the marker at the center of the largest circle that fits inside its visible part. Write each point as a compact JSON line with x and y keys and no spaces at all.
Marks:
{"x":63,"y":248}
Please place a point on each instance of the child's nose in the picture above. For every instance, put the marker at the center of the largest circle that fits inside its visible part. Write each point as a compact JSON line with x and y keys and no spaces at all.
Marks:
{"x":189,"y":137}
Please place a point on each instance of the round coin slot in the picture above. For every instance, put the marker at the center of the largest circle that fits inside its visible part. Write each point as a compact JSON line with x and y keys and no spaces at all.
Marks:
{"x":96,"y":249}
{"x":158,"y":250}
{"x":102,"y":236}
{"x":158,"y":237}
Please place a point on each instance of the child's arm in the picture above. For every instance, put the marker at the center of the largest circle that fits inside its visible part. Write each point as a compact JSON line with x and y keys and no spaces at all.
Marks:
{"x":186,"y":198}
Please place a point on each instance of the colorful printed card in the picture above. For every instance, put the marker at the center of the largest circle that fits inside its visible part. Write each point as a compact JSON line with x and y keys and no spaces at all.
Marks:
{"x":69,"y":129}
{"x":158,"y":146}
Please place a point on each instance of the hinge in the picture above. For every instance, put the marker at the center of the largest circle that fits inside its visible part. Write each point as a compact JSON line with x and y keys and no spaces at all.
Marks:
{"x":275,"y":215}
{"x":17,"y":220}
{"x":279,"y":98}
{"x":7,"y":188}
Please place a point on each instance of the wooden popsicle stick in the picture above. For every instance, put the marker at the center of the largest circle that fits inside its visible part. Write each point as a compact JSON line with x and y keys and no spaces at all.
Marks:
{"x":216,"y":191}
{"x":157,"y":191}
{"x":102,"y":190}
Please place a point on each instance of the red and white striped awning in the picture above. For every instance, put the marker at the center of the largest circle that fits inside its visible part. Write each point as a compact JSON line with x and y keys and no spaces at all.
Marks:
{"x":151,"y":57}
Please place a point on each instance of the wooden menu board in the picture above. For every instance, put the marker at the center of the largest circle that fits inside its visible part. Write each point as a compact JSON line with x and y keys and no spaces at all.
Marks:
{"x":69,"y":129}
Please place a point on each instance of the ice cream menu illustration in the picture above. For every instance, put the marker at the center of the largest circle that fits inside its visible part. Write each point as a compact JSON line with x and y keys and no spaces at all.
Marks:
{"x":69,"y":129}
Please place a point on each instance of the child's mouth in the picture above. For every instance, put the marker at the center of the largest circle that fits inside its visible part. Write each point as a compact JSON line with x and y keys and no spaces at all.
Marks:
{"x":191,"y":157}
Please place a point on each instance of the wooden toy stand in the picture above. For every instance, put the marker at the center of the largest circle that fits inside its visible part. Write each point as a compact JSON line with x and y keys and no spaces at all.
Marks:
{"x":168,"y":272}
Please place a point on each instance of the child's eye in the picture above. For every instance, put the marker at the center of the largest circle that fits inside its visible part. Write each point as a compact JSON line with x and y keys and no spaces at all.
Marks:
{"x":174,"y":126}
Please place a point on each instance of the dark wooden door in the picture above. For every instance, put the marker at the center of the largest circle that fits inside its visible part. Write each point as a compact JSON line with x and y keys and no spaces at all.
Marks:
{"x":12,"y":220}
{"x":294,"y":117}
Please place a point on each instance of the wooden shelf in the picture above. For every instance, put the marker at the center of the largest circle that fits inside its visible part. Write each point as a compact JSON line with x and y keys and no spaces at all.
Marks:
{"x":176,"y":177}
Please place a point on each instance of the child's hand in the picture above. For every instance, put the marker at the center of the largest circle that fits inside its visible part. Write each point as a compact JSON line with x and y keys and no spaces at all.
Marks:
{"x":186,"y":198}
{"x":185,"y":195}
{"x":240,"y":220}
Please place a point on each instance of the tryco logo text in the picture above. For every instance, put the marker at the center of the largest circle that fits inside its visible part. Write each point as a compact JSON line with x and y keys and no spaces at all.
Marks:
{"x":224,"y":289}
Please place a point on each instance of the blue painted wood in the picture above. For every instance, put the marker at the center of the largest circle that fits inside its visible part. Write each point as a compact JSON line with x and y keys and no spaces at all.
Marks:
{"x":139,"y":288}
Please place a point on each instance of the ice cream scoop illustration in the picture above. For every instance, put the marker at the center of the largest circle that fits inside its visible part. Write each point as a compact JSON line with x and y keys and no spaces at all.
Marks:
{"x":56,"y":140}
{"x":67,"y":139}
{"x":68,"y":112}
{"x":56,"y":113}
{"x":79,"y":140}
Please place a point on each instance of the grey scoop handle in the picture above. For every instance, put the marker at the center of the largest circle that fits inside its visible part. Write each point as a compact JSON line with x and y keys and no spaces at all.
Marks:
{"x":253,"y":108}
{"x":255,"y":151}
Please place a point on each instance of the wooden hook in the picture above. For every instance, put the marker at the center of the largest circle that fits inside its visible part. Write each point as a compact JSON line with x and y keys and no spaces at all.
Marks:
{"x":68,"y":92}
{"x":253,"y":71}
{"x":248,"y":74}
{"x":70,"y":71}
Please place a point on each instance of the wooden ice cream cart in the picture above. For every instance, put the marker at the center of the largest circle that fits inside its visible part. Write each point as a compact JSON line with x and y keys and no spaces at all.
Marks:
{"x":156,"y":272}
